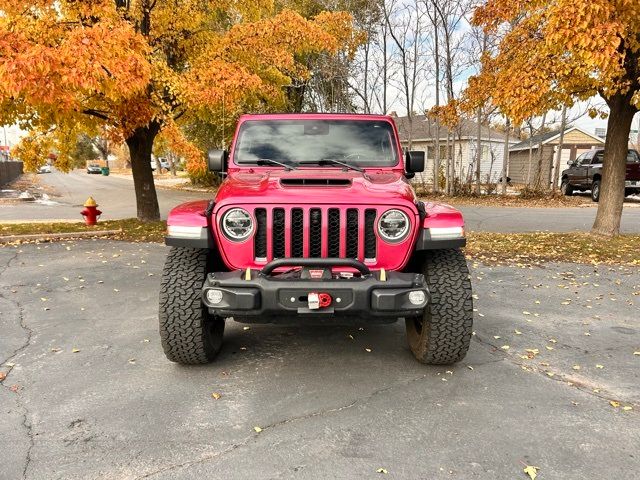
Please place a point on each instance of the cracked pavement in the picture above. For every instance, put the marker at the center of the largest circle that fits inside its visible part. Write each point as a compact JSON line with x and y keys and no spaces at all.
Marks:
{"x":88,"y":393}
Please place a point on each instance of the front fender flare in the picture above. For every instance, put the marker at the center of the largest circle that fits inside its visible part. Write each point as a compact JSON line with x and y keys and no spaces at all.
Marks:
{"x":441,"y":228}
{"x":189,"y":225}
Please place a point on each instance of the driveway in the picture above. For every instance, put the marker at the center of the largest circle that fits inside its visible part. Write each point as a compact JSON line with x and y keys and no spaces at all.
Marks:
{"x":89,"y":394}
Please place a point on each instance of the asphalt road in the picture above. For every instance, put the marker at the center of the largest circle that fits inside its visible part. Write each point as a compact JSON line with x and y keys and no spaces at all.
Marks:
{"x":117,"y":409}
{"x":116,"y":198}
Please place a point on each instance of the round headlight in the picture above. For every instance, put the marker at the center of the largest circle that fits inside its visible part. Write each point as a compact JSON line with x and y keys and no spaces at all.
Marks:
{"x":237,"y":224}
{"x":393,"y":226}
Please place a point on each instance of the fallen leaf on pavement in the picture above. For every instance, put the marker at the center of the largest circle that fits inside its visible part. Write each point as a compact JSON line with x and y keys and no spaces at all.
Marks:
{"x":636,"y":353}
{"x":368,"y":350}
{"x":531,"y":471}
{"x":2,"y":376}
{"x":505,"y":347}
{"x":257,"y":429}
{"x":382,"y":470}
{"x":576,"y":367}
{"x":216,"y":395}
{"x":614,"y":404}
{"x":599,"y":366}
{"x":75,"y":350}
{"x":626,"y":408}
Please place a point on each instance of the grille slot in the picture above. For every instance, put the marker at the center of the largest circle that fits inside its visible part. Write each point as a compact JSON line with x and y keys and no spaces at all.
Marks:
{"x":260,"y":242}
{"x":297,"y":234}
{"x":315,"y":233}
{"x":334,"y":233}
{"x":352,"y":233}
{"x":369,"y":233}
{"x":277,"y":230}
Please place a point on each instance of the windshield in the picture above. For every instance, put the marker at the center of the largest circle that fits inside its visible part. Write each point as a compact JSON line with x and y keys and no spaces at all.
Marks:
{"x":361,"y":143}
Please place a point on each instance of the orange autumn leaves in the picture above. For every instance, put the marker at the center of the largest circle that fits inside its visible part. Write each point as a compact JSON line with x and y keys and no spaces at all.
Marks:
{"x":551,"y":53}
{"x":70,"y":67}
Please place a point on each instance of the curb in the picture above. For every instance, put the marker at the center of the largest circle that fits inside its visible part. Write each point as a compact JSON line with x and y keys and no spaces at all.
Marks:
{"x":51,"y":236}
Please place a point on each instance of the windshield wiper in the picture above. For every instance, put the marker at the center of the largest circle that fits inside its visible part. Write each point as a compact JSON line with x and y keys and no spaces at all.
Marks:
{"x":332,"y":161}
{"x":268,"y":161}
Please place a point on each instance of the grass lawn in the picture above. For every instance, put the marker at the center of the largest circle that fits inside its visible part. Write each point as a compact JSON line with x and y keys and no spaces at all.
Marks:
{"x":514,"y":248}
{"x":132,"y":229}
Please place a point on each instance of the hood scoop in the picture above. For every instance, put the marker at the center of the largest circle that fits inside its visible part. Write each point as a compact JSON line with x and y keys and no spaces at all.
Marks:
{"x":315,"y":182}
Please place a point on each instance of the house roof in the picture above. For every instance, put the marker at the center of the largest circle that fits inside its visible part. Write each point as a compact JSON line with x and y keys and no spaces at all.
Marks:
{"x":548,"y":137}
{"x":424,"y":128}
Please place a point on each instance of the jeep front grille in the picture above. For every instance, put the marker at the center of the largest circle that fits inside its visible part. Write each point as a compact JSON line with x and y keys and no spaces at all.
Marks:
{"x":315,"y":232}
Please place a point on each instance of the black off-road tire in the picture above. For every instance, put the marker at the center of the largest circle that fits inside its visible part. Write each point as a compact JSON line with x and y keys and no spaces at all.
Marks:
{"x":442,"y":335}
{"x":189,"y":334}
{"x":566,"y":188}
{"x":595,"y":190}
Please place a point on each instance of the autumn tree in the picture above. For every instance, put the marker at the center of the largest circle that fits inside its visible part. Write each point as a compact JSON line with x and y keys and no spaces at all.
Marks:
{"x":556,"y":52}
{"x":134,"y":68}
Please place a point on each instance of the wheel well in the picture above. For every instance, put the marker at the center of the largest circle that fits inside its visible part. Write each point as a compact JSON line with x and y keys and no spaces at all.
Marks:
{"x":597,"y":177}
{"x":215,"y":262}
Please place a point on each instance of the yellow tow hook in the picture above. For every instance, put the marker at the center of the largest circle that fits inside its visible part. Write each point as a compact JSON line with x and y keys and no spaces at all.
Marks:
{"x":383,"y":275}
{"x":247,"y":274}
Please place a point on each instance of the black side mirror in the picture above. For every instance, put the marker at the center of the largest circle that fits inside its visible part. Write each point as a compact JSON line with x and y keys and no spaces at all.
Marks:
{"x":414,"y":162}
{"x":216,"y":160}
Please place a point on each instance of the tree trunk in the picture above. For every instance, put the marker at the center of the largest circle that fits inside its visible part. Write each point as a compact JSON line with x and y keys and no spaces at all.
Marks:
{"x":505,"y":160}
{"x":140,"y":144}
{"x":436,"y":159}
{"x":556,"y":168}
{"x":172,"y":163}
{"x":478,"y":149}
{"x":616,"y":147}
{"x":538,"y":175}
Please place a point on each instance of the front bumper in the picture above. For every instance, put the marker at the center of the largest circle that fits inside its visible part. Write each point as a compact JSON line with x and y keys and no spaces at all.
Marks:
{"x":260,"y":296}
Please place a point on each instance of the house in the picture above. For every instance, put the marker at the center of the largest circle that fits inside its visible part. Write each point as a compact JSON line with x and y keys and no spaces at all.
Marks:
{"x":419,"y":133}
{"x":537,"y":154}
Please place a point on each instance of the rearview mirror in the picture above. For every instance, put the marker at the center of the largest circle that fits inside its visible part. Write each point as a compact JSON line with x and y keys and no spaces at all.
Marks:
{"x":571,"y":163}
{"x":414,"y":161}
{"x":216,"y":160}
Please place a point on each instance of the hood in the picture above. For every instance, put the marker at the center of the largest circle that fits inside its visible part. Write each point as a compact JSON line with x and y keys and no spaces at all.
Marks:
{"x":315,"y":186}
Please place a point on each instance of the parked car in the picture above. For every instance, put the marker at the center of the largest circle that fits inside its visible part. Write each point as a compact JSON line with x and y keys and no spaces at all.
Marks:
{"x":585,"y":173}
{"x":316,"y":222}
{"x":94,"y":168}
{"x":46,"y":168}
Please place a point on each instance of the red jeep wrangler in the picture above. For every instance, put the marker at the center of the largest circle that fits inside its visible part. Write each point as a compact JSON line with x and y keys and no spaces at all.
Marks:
{"x":315,"y":220}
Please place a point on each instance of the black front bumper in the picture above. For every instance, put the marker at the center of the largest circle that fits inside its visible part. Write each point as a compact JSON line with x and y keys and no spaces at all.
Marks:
{"x":264,"y":297}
